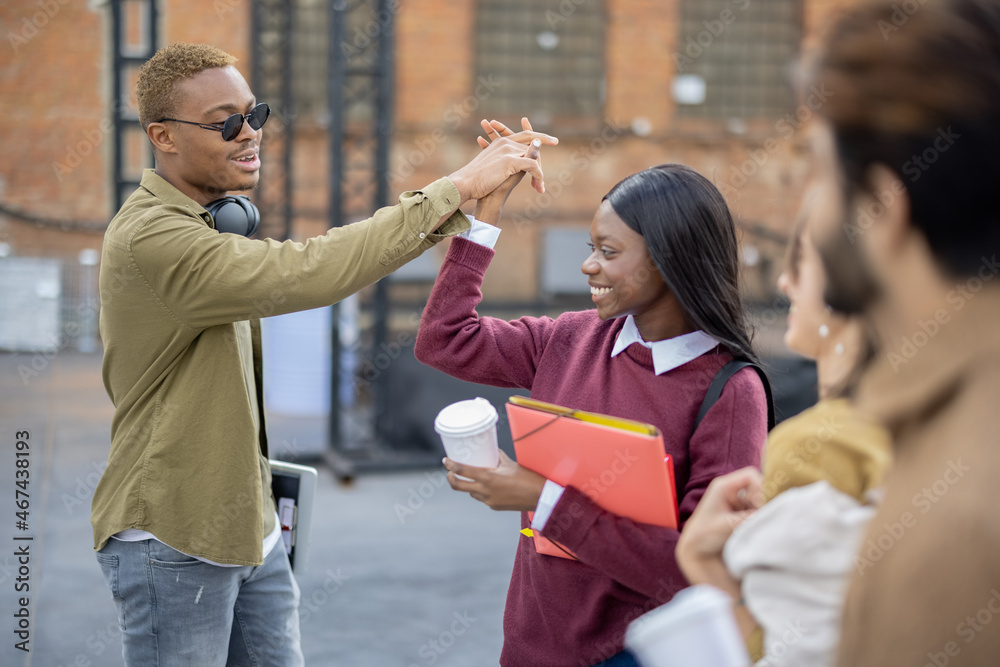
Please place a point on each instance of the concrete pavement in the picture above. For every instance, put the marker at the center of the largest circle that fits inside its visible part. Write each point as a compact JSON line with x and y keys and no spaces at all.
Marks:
{"x":403,"y":571}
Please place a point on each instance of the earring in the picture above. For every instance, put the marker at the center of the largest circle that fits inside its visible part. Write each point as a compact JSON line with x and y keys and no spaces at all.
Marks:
{"x":839,"y":349}
{"x":824,"y":329}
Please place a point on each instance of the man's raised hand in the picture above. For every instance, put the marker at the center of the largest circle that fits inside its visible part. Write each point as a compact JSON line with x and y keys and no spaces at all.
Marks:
{"x":505,"y":156}
{"x":495,"y":130}
{"x":489,"y":208}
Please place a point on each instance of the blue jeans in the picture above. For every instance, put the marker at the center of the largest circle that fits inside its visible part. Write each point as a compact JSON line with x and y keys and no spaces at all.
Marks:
{"x":623,"y":659}
{"x":176,"y":610}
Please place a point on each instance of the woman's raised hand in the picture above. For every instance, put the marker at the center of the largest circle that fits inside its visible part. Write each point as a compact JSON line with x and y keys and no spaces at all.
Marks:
{"x":495,"y":130}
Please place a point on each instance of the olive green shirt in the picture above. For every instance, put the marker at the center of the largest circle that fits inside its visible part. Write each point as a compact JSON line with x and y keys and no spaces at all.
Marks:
{"x":188,"y":459}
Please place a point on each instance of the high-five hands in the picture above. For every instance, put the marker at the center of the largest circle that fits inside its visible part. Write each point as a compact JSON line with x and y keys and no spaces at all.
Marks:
{"x":489,"y":208}
{"x":504,"y":156}
{"x":496,"y":130}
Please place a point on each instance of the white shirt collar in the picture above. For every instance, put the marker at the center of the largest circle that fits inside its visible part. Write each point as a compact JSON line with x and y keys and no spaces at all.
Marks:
{"x":667,"y":354}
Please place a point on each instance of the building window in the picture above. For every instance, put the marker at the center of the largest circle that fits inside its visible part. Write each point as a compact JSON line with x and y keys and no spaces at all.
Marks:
{"x":309,"y":59}
{"x":545,"y":58}
{"x":310,"y":54}
{"x":733,"y":57}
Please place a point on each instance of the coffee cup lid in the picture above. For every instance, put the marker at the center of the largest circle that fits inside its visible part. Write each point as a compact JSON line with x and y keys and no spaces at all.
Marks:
{"x":466,"y":417}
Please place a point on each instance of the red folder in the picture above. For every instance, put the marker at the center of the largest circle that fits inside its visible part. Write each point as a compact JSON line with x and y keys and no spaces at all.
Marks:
{"x":620,"y":464}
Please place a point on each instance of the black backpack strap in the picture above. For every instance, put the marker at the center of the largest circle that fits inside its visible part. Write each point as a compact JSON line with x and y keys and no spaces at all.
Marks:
{"x":719,"y":383}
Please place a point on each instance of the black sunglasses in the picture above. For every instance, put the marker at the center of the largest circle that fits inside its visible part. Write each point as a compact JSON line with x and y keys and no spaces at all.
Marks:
{"x":231,"y":128}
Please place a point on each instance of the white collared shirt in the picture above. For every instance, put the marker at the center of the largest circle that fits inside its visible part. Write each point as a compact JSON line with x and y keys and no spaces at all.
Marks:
{"x":482,"y":233}
{"x":667,"y":355}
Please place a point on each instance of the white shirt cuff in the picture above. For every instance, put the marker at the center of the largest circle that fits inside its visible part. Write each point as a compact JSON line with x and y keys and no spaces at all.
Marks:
{"x":550,"y":495}
{"x":481,"y":232}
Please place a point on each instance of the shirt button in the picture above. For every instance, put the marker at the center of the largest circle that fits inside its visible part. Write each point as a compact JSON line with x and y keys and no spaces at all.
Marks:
{"x":422,"y":235}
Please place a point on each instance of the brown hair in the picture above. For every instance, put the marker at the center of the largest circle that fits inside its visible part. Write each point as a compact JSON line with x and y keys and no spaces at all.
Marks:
{"x":793,"y":252}
{"x":155,"y":91}
{"x":915,"y":87}
{"x":867,"y":346}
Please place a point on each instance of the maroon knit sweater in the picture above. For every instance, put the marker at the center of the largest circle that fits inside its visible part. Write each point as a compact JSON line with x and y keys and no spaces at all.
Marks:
{"x":561,"y":612}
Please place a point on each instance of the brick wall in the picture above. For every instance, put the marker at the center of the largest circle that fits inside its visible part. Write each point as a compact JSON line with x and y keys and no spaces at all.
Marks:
{"x":55,"y":110}
{"x":761,"y":172}
{"x":55,"y":102}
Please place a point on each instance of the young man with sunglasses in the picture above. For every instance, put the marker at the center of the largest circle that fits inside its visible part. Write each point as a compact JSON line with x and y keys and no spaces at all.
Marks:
{"x":184,"y":520}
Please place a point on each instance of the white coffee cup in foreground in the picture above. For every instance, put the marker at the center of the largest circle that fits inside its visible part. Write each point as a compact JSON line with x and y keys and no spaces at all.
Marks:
{"x":695,"y":629}
{"x":468,"y":431}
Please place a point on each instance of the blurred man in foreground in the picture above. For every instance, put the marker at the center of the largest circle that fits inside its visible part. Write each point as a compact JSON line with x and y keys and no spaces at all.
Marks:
{"x":909,"y":140}
{"x":909,"y":234}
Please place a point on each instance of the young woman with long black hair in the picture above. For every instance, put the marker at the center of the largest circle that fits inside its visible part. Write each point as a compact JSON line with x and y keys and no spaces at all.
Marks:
{"x":663,"y":274}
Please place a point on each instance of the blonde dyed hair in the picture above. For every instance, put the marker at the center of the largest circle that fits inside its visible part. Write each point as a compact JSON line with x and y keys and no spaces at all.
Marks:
{"x":155,"y":89}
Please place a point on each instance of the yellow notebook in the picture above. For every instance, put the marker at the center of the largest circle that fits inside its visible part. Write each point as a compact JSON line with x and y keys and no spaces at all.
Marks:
{"x":592,"y":417}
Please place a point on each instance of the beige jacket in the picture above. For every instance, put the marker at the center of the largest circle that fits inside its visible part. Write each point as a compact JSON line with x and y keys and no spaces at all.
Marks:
{"x":926,"y":585}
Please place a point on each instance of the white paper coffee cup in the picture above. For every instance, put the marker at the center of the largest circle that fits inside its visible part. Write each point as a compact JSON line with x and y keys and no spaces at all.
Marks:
{"x":695,"y":629}
{"x":468,"y":431}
